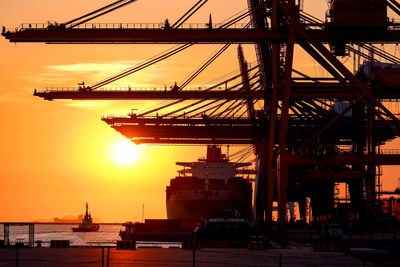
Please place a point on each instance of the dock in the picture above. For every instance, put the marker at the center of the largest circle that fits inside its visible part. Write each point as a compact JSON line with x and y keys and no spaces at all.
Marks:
{"x":93,"y":256}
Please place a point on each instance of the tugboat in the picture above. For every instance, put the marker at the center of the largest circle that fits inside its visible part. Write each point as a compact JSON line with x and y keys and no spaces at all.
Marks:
{"x":87,"y":224}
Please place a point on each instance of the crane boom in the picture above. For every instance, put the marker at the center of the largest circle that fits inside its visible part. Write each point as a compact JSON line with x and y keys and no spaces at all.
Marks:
{"x":246,"y":82}
{"x":106,"y":34}
{"x":305,"y":90}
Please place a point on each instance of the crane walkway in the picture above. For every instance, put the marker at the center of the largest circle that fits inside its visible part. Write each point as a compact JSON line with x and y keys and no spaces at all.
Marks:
{"x":390,"y":151}
{"x":103,"y":26}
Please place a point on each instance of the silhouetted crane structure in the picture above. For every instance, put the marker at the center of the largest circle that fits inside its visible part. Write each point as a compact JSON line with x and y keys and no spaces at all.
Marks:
{"x":308,"y":133}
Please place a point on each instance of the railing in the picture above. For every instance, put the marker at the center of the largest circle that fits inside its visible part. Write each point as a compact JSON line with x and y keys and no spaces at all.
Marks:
{"x":348,"y":236}
{"x":125,"y":89}
{"x":392,"y":151}
{"x":112,"y":116}
{"x":389,"y":151}
{"x":160,"y":25}
{"x":74,"y":89}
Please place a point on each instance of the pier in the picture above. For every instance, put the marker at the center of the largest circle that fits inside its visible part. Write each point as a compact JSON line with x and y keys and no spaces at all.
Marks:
{"x":92,"y":256}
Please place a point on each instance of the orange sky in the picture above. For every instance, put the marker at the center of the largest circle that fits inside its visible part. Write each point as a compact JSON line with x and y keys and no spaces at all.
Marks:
{"x":55,"y":155}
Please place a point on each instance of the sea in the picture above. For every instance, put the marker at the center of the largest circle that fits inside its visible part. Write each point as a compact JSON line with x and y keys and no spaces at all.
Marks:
{"x":107,"y":235}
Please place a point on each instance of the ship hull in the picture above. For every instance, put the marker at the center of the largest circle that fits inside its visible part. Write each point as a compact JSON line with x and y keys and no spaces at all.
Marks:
{"x":202,"y":209}
{"x":84,"y":230}
{"x":91,"y":228}
{"x":192,"y":199}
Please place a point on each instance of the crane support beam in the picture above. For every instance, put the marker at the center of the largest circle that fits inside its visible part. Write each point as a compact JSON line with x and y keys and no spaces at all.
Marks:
{"x":298,"y":90}
{"x":206,"y":36}
{"x":296,"y":123}
{"x":337,"y":175}
{"x":192,"y":141}
{"x":181,"y":121}
{"x":148,"y":94}
{"x":195,"y":132}
{"x":235,"y":133}
{"x":345,"y":159}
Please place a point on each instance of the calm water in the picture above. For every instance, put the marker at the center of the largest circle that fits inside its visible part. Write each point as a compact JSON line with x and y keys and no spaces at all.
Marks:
{"x":107,"y":234}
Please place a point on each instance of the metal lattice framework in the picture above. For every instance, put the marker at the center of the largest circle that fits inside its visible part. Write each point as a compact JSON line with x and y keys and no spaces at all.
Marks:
{"x":292,"y":120}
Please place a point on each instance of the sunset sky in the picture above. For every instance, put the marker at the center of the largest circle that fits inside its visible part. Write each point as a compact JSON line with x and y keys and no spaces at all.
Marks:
{"x":55,"y":156}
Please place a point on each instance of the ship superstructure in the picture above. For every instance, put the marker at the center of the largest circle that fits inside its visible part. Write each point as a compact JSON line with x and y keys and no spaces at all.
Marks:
{"x":209,"y":188}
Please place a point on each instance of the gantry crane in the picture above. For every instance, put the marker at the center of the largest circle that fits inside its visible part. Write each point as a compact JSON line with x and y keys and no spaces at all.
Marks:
{"x":299,"y":135}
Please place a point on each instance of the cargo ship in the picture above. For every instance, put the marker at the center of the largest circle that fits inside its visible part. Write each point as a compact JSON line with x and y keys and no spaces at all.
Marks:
{"x":87,"y":224}
{"x":209,"y":188}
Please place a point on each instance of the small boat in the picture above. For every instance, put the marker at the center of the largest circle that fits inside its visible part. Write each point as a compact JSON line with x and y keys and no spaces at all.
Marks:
{"x":87,"y":224}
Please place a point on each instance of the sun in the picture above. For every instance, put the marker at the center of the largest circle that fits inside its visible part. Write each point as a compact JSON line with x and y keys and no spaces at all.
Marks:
{"x":125,"y":152}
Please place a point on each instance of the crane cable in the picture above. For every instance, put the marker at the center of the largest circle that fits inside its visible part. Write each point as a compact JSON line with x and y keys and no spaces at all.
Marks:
{"x":181,"y":100}
{"x":234,"y":19}
{"x":197,"y":102}
{"x":163,"y":55}
{"x":215,"y":108}
{"x":227,"y":22}
{"x":380,"y":52}
{"x":109,"y":8}
{"x":188,"y":14}
{"x":154,"y":60}
{"x":213,"y":57}
{"x":205,"y":105}
{"x":140,"y":66}
{"x":204,"y":66}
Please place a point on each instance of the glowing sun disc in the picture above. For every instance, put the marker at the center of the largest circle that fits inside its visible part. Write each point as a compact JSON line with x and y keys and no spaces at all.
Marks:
{"x":125,"y":152}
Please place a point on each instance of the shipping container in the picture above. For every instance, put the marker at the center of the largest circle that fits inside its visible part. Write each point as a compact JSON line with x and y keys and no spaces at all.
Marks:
{"x":359,"y":12}
{"x":188,"y":224}
{"x":388,"y":77}
{"x":170,"y":224}
{"x":152,"y":224}
{"x":161,"y":224}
